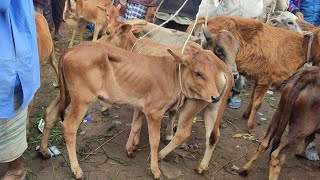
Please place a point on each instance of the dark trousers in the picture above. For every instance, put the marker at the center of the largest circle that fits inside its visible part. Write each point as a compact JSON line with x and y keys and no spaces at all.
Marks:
{"x":171,"y":24}
{"x":54,"y":12}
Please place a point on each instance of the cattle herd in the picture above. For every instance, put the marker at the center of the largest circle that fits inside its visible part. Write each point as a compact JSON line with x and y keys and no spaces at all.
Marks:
{"x":156,"y":78}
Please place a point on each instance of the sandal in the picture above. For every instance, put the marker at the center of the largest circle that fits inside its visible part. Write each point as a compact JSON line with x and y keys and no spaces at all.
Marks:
{"x":234,"y":103}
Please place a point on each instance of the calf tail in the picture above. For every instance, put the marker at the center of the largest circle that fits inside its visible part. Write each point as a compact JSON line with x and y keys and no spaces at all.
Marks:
{"x":64,"y":94}
{"x":299,"y":84}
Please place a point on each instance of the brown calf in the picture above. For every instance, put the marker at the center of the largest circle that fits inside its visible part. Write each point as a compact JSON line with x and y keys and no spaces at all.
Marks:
{"x":149,"y":83}
{"x":99,"y":12}
{"x":121,"y":35}
{"x":299,"y":108}
{"x":270,"y":55}
{"x":45,"y":50}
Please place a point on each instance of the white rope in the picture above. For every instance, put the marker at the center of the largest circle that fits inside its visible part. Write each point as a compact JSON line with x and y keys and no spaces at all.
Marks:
{"x":172,"y":16}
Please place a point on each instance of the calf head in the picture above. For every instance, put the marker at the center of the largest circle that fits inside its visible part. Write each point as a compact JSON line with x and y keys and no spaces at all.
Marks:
{"x":225,"y":46}
{"x":121,"y":35}
{"x":111,"y":12}
{"x":198,"y":74}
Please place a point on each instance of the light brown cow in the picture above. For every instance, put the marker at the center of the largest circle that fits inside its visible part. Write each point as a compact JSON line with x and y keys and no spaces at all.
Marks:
{"x":149,"y":83}
{"x":121,"y":35}
{"x":99,"y":12}
{"x":270,"y":55}
{"x":299,"y":109}
{"x":45,"y":50}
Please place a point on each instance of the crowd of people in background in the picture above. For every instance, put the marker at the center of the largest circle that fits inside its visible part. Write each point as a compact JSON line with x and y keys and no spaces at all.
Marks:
{"x":21,"y":79}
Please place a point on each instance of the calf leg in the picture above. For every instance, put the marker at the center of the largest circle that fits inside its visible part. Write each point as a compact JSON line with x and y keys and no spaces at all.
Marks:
{"x":28,"y":118}
{"x":51,"y":116}
{"x":137,"y":121}
{"x":170,"y":125}
{"x":70,"y":125}
{"x":97,"y":28}
{"x":154,"y":122}
{"x":82,"y":27}
{"x":279,"y":155}
{"x":265,"y":143}
{"x":247,"y":113}
{"x":302,"y":148}
{"x":188,"y":111}
{"x":258,"y":95}
{"x":54,"y":63}
{"x":212,"y":134}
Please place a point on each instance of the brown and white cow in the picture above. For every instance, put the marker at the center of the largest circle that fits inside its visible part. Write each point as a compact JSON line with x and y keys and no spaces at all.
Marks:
{"x":270,"y":55}
{"x":153,"y":84}
{"x":99,"y":12}
{"x":298,"y":108}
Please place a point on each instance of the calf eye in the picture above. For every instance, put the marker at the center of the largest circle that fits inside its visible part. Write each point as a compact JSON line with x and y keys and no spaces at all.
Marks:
{"x":218,"y":51}
{"x":197,"y":74}
{"x":290,"y":23}
{"x":107,"y":32}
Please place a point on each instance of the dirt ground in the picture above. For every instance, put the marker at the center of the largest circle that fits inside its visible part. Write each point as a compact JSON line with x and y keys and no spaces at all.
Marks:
{"x":111,"y":161}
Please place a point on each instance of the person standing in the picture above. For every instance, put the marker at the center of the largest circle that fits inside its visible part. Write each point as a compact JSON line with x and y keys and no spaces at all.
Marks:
{"x":39,"y":5}
{"x":183,"y":19}
{"x":308,"y":10}
{"x":20,"y":79}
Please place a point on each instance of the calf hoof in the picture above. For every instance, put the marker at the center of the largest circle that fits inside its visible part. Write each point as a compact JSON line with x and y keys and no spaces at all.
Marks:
{"x":55,"y":85}
{"x":199,"y":170}
{"x":251,"y":130}
{"x":243,"y":173}
{"x":44,"y":154}
{"x":130,"y":154}
{"x":157,"y":175}
{"x":79,"y":175}
{"x":169,"y":138}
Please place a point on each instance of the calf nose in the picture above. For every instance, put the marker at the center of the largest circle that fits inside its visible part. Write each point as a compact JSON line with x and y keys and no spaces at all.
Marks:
{"x":215,"y":99}
{"x":235,"y":75}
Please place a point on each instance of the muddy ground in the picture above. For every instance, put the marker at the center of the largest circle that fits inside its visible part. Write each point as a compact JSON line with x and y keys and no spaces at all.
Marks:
{"x":111,"y":161}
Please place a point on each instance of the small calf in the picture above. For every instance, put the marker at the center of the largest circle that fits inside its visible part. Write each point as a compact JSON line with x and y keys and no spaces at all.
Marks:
{"x":99,"y":12}
{"x":151,"y":84}
{"x":299,"y":108}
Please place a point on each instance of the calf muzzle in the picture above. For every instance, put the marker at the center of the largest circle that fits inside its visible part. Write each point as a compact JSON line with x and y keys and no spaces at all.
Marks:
{"x":215,"y":99}
{"x":235,"y":75}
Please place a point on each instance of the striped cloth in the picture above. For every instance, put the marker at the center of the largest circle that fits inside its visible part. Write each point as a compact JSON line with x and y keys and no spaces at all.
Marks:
{"x":13,"y":141}
{"x":134,"y":10}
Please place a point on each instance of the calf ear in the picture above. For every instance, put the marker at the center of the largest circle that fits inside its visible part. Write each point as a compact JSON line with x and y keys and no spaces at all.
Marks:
{"x":304,"y":25}
{"x":273,"y":22}
{"x":124,"y":29}
{"x":207,"y":34}
{"x":137,"y":28}
{"x":180,"y":58}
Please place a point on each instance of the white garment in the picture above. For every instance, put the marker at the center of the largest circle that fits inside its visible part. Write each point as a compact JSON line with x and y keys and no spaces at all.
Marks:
{"x":241,"y":8}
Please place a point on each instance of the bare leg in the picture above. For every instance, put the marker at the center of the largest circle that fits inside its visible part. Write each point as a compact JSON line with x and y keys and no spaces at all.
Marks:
{"x":154,"y":122}
{"x":15,"y":170}
{"x":52,"y":113}
{"x":70,"y":126}
{"x":259,"y":93}
{"x":137,"y":121}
